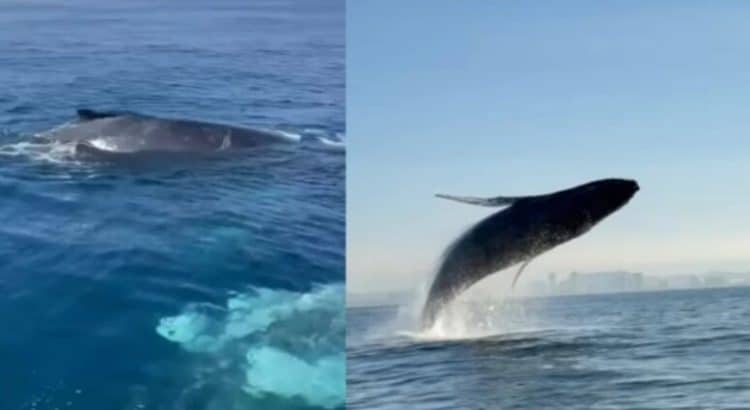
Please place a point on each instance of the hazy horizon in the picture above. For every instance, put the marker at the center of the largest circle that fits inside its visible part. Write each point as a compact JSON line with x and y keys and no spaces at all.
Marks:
{"x":523,"y":100}
{"x":562,"y":284}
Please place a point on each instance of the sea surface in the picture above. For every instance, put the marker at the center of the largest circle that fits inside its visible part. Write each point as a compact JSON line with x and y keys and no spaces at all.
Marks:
{"x":660,"y":350}
{"x":174,"y":283}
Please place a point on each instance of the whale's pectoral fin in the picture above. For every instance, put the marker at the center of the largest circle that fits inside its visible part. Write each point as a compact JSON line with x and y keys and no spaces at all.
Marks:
{"x":497,"y":201}
{"x":518,"y":274}
{"x":86,"y":114}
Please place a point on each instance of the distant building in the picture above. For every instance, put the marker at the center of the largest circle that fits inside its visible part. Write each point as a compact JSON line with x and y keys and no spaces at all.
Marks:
{"x":716,"y":281}
{"x":638,"y":282}
{"x":685,"y":282}
{"x":622,"y":281}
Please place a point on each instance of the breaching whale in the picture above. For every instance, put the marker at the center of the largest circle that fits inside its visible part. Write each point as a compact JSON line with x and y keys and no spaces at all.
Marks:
{"x":104,"y":133}
{"x":528,"y":227}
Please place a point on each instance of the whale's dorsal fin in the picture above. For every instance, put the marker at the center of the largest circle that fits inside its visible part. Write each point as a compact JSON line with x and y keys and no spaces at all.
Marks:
{"x":87,"y":114}
{"x":496,"y":201}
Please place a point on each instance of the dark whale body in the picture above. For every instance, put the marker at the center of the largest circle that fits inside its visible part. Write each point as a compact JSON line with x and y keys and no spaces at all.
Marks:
{"x":528,"y":227}
{"x":109,"y":133}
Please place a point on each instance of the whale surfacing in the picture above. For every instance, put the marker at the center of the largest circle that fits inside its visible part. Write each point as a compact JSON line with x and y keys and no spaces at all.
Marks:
{"x":528,"y":227}
{"x":116,"y":133}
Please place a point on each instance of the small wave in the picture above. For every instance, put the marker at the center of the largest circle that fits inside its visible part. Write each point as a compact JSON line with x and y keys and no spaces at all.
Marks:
{"x":292,"y":343}
{"x":326,"y":137}
{"x":319,"y":135}
{"x":335,"y":144}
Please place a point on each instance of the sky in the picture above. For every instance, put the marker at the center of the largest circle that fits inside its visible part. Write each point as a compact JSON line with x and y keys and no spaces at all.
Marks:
{"x":521,"y":98}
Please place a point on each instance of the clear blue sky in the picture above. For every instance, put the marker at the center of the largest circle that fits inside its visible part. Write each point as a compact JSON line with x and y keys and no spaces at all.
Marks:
{"x":511,"y":98}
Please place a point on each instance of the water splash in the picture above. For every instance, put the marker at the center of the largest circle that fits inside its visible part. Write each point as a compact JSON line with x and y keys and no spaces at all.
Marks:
{"x":468,"y":317}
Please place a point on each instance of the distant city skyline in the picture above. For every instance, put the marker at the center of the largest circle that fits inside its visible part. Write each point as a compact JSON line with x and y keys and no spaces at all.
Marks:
{"x":502,"y":98}
{"x":575,"y":283}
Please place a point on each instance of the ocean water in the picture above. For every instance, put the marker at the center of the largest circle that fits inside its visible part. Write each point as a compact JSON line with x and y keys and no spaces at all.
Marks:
{"x":175,"y":283}
{"x":661,"y":350}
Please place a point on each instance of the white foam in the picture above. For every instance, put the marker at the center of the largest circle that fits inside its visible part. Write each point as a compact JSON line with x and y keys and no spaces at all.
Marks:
{"x":288,"y":135}
{"x":45,"y":151}
{"x":321,"y":382}
{"x":293,"y":342}
{"x":41,"y":148}
{"x":189,"y":330}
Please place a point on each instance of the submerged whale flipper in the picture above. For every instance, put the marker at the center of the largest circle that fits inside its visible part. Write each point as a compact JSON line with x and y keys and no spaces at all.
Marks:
{"x":496,"y":201}
{"x":87,"y":114}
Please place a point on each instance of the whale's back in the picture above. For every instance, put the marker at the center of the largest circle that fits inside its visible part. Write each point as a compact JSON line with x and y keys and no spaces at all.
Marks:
{"x":128,"y":132}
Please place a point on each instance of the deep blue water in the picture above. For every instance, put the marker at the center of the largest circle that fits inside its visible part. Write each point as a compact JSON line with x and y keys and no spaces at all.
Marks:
{"x":662,"y":350}
{"x":207,"y":283}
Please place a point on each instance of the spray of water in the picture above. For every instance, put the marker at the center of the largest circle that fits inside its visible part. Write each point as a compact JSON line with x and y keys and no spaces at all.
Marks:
{"x":474,"y":315}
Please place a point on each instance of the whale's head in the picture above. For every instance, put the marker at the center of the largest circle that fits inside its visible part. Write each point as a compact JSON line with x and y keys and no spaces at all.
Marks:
{"x":598,"y":199}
